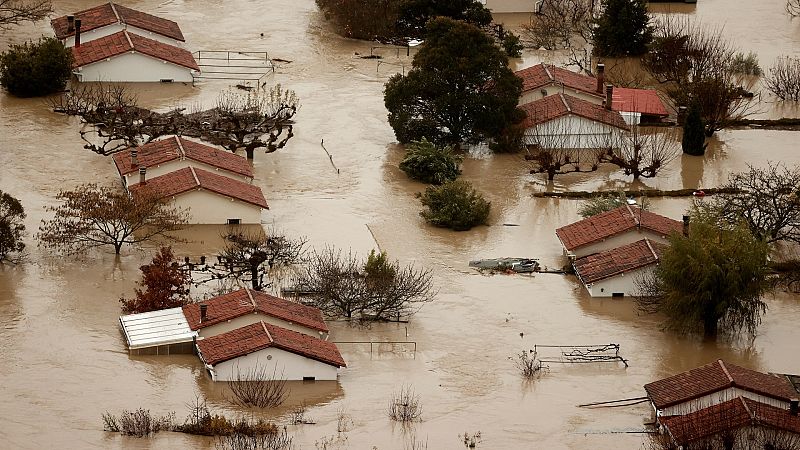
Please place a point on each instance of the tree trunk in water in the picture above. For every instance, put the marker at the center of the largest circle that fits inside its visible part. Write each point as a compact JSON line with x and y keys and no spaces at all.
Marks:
{"x":117,"y":247}
{"x":254,"y":277}
{"x":250,"y":152}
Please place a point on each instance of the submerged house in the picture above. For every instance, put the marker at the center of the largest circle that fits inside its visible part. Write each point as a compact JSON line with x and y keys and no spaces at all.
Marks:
{"x":615,"y":272}
{"x":621,"y":226}
{"x":162,"y":332}
{"x":210,"y":198}
{"x":638,"y":105}
{"x":543,"y":80}
{"x":716,"y":383}
{"x":243,"y":352}
{"x":174,"y":153}
{"x":110,"y":18}
{"x":245,"y":307}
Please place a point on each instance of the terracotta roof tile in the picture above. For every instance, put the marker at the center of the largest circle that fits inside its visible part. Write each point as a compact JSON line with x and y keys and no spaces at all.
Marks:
{"x":189,"y":178}
{"x":541,"y":75}
{"x":610,"y":223}
{"x":245,"y":301}
{"x":164,"y":150}
{"x":111,"y":13}
{"x":119,"y":43}
{"x":715,"y":377}
{"x":557,"y":105}
{"x":618,"y":260}
{"x":730,"y":415}
{"x":261,"y":335}
{"x":645,"y":101}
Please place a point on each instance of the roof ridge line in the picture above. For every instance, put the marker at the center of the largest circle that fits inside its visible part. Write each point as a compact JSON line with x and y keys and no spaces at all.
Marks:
{"x":116,"y":14}
{"x":564,"y":101}
{"x":196,"y":180}
{"x":125,"y":32}
{"x":180,"y":147}
{"x":252,"y":300}
{"x":269,"y":336}
{"x":650,"y":246}
{"x":547,"y":71}
{"x":750,"y":413}
{"x":633,"y":215}
{"x":725,"y":369}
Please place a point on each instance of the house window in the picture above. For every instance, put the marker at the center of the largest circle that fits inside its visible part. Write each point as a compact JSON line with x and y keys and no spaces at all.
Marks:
{"x":309,"y":378}
{"x":618,"y":294}
{"x":234,"y":221}
{"x":166,"y":80}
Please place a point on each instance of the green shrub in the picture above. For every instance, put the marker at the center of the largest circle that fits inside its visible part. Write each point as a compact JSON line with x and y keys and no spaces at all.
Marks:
{"x":693,"y":142}
{"x":512,"y":45}
{"x":34,"y":69}
{"x":455,"y":204}
{"x":427,"y":163}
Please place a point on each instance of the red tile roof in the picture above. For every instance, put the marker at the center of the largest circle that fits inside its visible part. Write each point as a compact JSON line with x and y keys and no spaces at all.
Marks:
{"x":619,"y":260}
{"x":558,"y":105}
{"x":159,"y":152}
{"x":261,"y":335}
{"x":610,"y":223}
{"x":542,"y":74}
{"x":645,"y":101}
{"x":123,"y":42}
{"x":728,"y":416}
{"x":111,"y":13}
{"x":190,"y":178}
{"x":245,"y":301}
{"x":715,"y":377}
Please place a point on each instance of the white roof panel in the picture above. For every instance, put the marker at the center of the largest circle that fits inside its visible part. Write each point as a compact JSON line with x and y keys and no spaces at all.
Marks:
{"x":150,"y":329}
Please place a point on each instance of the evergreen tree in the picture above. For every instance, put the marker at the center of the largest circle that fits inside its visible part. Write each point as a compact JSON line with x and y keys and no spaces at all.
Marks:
{"x":693,"y":133}
{"x":623,"y":29}
{"x":33,"y":69}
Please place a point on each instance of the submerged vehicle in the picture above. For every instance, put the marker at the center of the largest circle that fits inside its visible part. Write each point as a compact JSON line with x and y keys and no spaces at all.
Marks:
{"x":518,"y":265}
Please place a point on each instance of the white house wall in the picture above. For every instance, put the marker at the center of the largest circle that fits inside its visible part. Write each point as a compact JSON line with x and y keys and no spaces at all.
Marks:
{"x":177,"y":164}
{"x":293,"y":367}
{"x":208,"y":207}
{"x":618,"y":240}
{"x":553,"y":89}
{"x":717,"y":398}
{"x":248,"y":319}
{"x":571,"y":132}
{"x":134,"y":67}
{"x":108,"y":30}
{"x":624,"y":283}
{"x":510,"y":6}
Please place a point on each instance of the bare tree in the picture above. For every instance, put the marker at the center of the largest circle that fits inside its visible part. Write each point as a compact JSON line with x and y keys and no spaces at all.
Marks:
{"x":14,"y":12}
{"x":567,"y":25}
{"x":258,"y":386}
{"x":279,"y":440}
{"x":793,"y":7}
{"x":643,"y":154}
{"x":94,"y":216}
{"x":374,"y":289}
{"x":404,"y":406}
{"x":553,"y":151}
{"x":529,"y":366}
{"x":783,"y":79}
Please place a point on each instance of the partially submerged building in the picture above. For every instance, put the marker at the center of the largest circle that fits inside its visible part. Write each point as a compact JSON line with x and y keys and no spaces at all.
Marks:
{"x":261,"y":348}
{"x":544,"y":80}
{"x":168,"y":155}
{"x":638,"y":105}
{"x":162,"y":332}
{"x":616,"y":272}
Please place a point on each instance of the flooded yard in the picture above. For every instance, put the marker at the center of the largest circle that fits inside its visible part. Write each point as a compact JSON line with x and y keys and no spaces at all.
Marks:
{"x":64,"y":361}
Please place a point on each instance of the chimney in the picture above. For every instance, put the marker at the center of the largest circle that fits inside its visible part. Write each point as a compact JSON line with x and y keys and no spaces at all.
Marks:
{"x":70,"y":24}
{"x":203,"y":312}
{"x":793,"y":406}
{"x":142,"y":175}
{"x":134,"y":159}
{"x":609,"y":95}
{"x":77,"y":32}
{"x":686,"y":225}
{"x":601,"y":77}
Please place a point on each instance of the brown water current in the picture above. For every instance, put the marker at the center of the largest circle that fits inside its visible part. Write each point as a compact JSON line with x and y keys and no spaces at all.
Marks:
{"x":63,"y":361}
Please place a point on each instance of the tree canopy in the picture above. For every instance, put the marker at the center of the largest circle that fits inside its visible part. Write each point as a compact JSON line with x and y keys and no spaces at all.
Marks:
{"x":34,"y":69}
{"x":430,"y":164}
{"x":415,"y":14}
{"x":460,"y":89}
{"x":455,"y":204}
{"x":165,"y":283}
{"x":712,"y":280}
{"x":11,"y":227}
{"x":623,"y":29}
{"x":694,"y":136}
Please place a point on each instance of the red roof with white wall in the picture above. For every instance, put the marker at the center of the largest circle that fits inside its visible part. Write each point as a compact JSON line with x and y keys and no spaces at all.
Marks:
{"x":111,"y":13}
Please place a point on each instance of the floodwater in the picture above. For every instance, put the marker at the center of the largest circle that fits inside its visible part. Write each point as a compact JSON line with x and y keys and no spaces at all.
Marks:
{"x":63,"y":361}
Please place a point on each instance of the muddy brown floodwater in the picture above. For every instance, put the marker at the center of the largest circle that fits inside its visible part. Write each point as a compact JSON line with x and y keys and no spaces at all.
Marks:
{"x":63,"y":361}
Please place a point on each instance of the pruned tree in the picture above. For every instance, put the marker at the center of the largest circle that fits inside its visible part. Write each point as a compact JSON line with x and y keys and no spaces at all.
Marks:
{"x":371,"y":289}
{"x":552,"y":151}
{"x":250,"y":257}
{"x":262,"y":118}
{"x":643,"y":153}
{"x":767,"y":201}
{"x":12,"y":228}
{"x":783,"y":79}
{"x":14,"y":12}
{"x":565,"y":25}
{"x":91,"y":216}
{"x":712,"y":280}
{"x":165,"y":283}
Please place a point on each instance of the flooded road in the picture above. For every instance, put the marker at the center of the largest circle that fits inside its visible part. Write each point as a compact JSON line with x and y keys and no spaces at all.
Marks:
{"x":63,"y":361}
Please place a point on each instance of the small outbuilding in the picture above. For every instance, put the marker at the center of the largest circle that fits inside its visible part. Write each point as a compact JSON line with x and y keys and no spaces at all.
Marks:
{"x":716,"y":383}
{"x":262,"y":347}
{"x":615,"y":272}
{"x":110,"y":18}
{"x":544,"y":80}
{"x":244,"y":307}
{"x":168,"y":155}
{"x":638,"y":106}
{"x":127,"y":57}
{"x":162,"y":332}
{"x":615,"y":228}
{"x":210,"y":198}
